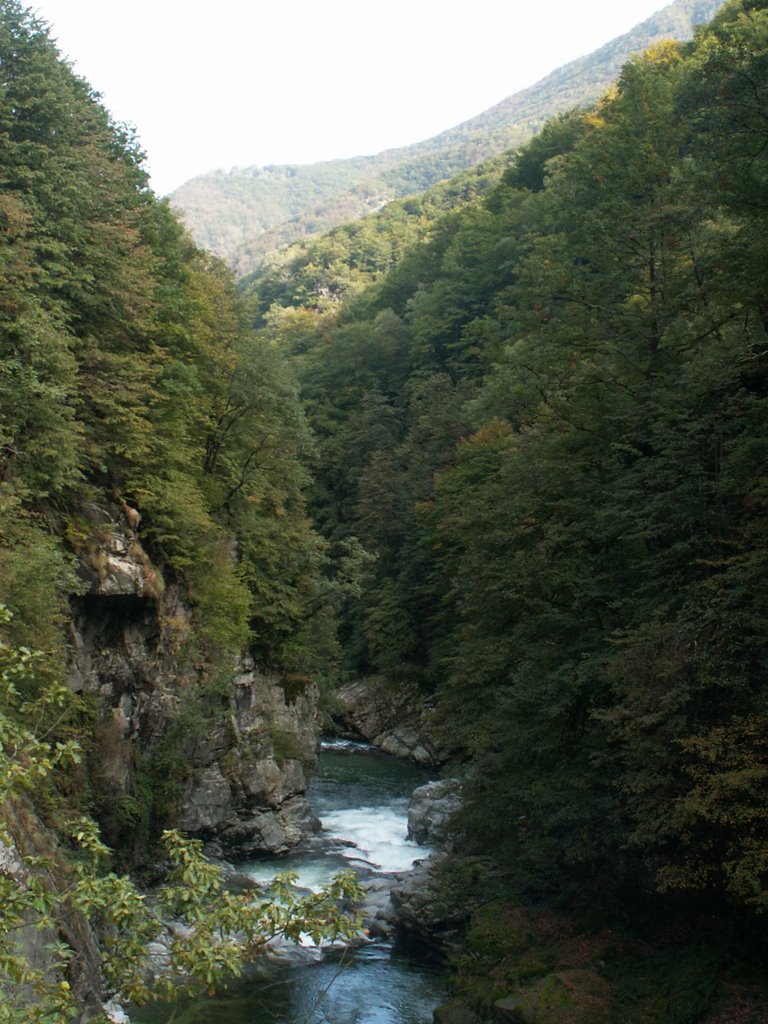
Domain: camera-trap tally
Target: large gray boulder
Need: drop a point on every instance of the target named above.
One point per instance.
(422, 906)
(430, 811)
(396, 717)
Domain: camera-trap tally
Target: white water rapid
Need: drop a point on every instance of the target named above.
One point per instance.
(361, 797)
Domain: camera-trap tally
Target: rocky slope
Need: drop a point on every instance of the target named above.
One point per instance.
(396, 717)
(224, 759)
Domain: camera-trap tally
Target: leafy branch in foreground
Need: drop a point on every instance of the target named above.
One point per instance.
(208, 932)
(191, 934)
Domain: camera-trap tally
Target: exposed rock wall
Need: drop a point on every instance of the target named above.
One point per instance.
(249, 797)
(225, 759)
(31, 839)
(431, 809)
(396, 717)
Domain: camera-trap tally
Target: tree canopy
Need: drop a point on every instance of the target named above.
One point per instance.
(510, 437)
(546, 423)
(128, 366)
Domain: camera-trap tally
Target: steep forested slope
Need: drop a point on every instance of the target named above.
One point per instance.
(159, 575)
(243, 214)
(153, 530)
(321, 272)
(547, 426)
(129, 370)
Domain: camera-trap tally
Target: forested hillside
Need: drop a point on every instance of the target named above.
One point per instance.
(129, 371)
(243, 214)
(505, 441)
(547, 425)
(321, 272)
(164, 610)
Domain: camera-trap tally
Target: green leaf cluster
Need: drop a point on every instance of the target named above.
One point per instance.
(47, 892)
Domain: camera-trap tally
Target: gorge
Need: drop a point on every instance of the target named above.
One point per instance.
(480, 478)
(359, 795)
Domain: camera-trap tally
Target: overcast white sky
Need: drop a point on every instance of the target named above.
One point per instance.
(235, 83)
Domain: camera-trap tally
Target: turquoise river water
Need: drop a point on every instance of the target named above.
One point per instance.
(361, 796)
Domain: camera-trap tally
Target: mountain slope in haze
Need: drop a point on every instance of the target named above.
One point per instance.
(245, 213)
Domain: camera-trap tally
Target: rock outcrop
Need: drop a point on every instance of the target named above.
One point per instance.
(430, 811)
(34, 843)
(249, 798)
(226, 761)
(396, 717)
(422, 908)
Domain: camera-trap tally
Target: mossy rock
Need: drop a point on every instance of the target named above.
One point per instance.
(515, 1009)
(286, 746)
(565, 997)
(523, 970)
(499, 928)
(455, 1012)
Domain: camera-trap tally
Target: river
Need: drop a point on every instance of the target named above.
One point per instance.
(361, 796)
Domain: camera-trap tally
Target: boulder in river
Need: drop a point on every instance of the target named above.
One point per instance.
(430, 811)
(379, 916)
(421, 906)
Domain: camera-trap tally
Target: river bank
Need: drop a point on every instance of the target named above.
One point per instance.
(361, 796)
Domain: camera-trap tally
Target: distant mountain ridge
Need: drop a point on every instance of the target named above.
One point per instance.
(243, 214)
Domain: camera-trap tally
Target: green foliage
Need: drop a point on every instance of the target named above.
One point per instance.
(538, 961)
(285, 746)
(594, 579)
(556, 138)
(26, 708)
(35, 574)
(220, 930)
(546, 423)
(684, 982)
(128, 366)
(319, 273)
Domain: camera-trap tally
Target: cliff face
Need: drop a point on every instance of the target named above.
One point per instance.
(225, 759)
(397, 718)
(245, 794)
